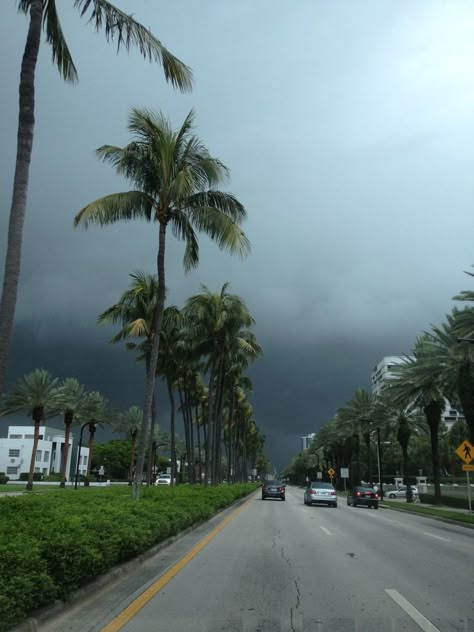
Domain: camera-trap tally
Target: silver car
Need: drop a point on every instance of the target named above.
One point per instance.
(401, 492)
(318, 492)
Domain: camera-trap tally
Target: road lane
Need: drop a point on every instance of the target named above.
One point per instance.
(285, 566)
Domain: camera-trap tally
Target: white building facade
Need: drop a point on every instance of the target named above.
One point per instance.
(383, 373)
(16, 450)
(306, 440)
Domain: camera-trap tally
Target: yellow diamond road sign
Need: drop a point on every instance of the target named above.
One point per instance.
(331, 472)
(465, 451)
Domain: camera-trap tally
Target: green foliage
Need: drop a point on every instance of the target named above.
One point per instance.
(64, 539)
(114, 456)
(448, 501)
(4, 478)
(37, 476)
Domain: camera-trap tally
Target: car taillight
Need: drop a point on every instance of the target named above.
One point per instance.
(376, 496)
(313, 492)
(358, 493)
(333, 493)
(282, 489)
(265, 488)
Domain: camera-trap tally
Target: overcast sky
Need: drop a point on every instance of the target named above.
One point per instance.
(349, 131)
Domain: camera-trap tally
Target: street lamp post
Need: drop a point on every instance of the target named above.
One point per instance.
(379, 464)
(79, 453)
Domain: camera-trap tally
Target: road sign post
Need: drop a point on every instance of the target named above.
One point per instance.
(345, 475)
(465, 451)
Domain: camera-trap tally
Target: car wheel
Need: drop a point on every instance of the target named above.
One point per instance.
(391, 496)
(348, 502)
(354, 504)
(283, 498)
(263, 497)
(376, 506)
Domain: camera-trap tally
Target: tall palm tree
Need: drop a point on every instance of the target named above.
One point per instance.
(118, 27)
(95, 410)
(36, 392)
(357, 414)
(70, 398)
(455, 361)
(218, 323)
(130, 422)
(135, 311)
(175, 179)
(419, 380)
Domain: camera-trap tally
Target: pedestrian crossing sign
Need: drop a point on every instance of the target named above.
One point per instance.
(466, 451)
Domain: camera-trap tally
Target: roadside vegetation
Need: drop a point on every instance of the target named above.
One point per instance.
(41, 562)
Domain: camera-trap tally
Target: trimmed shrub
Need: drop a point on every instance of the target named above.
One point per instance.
(448, 501)
(4, 478)
(37, 476)
(64, 539)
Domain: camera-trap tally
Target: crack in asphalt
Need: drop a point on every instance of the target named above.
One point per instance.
(293, 610)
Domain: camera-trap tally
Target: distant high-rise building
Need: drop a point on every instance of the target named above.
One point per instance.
(306, 441)
(383, 373)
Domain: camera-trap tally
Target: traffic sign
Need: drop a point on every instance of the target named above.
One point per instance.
(331, 472)
(344, 472)
(465, 451)
(468, 468)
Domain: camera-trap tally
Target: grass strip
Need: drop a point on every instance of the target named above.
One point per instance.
(431, 511)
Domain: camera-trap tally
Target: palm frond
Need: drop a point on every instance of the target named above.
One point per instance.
(127, 32)
(115, 207)
(55, 38)
(221, 229)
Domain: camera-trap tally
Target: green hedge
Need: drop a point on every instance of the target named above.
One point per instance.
(51, 544)
(4, 478)
(448, 501)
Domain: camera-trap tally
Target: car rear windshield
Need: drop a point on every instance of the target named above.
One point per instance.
(272, 483)
(319, 485)
(365, 489)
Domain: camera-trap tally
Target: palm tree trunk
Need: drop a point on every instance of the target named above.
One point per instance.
(210, 424)
(155, 345)
(26, 124)
(433, 417)
(465, 386)
(198, 438)
(92, 429)
(172, 431)
(151, 449)
(133, 435)
(68, 417)
(37, 417)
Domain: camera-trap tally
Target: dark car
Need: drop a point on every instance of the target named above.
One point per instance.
(363, 496)
(273, 489)
(318, 492)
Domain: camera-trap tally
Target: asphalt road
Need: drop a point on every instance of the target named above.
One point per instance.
(282, 566)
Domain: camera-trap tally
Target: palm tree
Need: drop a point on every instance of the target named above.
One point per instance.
(357, 414)
(130, 422)
(455, 359)
(135, 311)
(95, 410)
(36, 392)
(70, 398)
(217, 323)
(119, 28)
(174, 178)
(418, 380)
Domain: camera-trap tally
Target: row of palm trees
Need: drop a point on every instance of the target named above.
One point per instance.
(205, 349)
(440, 367)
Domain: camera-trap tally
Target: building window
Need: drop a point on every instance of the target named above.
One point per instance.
(29, 436)
(14, 436)
(45, 470)
(39, 454)
(46, 455)
(13, 452)
(37, 470)
(84, 460)
(12, 470)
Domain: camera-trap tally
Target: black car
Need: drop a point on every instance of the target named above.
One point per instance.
(273, 489)
(363, 496)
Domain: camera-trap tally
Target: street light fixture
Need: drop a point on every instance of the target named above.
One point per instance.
(79, 453)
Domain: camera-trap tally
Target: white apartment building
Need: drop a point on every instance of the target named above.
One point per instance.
(306, 440)
(382, 373)
(16, 450)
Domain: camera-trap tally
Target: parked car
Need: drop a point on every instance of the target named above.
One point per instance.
(273, 489)
(360, 495)
(318, 492)
(401, 492)
(163, 479)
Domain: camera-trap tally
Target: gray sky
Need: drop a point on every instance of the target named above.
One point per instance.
(349, 131)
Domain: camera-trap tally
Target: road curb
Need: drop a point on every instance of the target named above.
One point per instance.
(423, 515)
(43, 615)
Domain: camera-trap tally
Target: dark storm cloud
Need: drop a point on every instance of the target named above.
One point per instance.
(348, 129)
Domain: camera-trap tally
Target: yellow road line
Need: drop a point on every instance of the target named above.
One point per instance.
(136, 605)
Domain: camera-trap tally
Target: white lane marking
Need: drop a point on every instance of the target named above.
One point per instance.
(438, 537)
(325, 530)
(411, 611)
